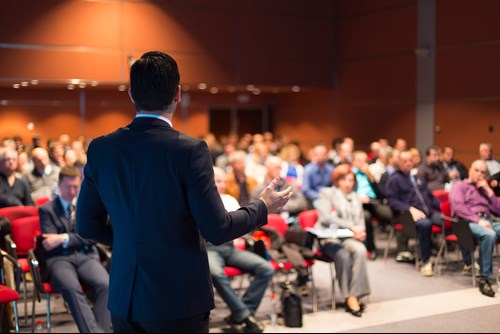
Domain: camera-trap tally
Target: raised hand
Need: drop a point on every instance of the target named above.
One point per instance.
(275, 200)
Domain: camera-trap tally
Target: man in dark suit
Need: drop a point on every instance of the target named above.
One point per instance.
(156, 186)
(72, 261)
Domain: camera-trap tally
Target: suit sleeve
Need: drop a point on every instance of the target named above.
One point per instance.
(214, 222)
(91, 215)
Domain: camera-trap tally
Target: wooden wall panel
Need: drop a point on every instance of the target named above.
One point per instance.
(361, 7)
(384, 80)
(389, 32)
(466, 124)
(73, 23)
(462, 22)
(468, 72)
(61, 66)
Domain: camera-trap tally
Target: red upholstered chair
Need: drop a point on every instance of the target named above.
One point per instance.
(278, 223)
(441, 195)
(14, 212)
(39, 201)
(21, 238)
(308, 219)
(448, 235)
(40, 288)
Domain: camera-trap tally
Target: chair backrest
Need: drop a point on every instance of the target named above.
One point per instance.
(39, 201)
(14, 212)
(24, 232)
(308, 218)
(442, 195)
(276, 222)
(446, 212)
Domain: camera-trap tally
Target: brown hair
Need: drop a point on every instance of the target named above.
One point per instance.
(340, 172)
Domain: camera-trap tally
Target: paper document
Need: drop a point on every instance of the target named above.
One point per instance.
(328, 233)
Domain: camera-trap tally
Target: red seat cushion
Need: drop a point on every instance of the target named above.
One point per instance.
(7, 295)
(23, 263)
(232, 271)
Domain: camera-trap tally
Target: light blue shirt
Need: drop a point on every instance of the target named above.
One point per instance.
(363, 186)
(169, 122)
(315, 178)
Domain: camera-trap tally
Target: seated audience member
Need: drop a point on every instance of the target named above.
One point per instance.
(317, 174)
(222, 160)
(344, 153)
(379, 166)
(340, 207)
(374, 152)
(242, 318)
(474, 201)
(333, 154)
(407, 192)
(417, 159)
(44, 176)
(456, 170)
(72, 261)
(239, 185)
(486, 154)
(297, 203)
(291, 169)
(371, 198)
(400, 144)
(70, 158)
(13, 190)
(254, 164)
(56, 153)
(23, 163)
(433, 171)
(390, 168)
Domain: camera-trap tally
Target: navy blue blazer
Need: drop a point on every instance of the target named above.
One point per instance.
(53, 220)
(149, 192)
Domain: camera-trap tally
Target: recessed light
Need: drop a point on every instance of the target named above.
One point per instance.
(16, 86)
(256, 91)
(295, 89)
(202, 86)
(82, 85)
(250, 87)
(34, 82)
(25, 83)
(94, 83)
(214, 90)
(122, 88)
(71, 87)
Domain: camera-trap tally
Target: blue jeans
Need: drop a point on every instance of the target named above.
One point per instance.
(486, 239)
(424, 233)
(248, 262)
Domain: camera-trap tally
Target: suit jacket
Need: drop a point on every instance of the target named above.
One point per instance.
(157, 186)
(53, 220)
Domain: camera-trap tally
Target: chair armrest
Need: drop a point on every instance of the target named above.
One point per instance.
(10, 246)
(35, 274)
(16, 267)
(104, 255)
(448, 218)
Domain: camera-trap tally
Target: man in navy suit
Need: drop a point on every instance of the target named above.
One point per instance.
(72, 261)
(149, 192)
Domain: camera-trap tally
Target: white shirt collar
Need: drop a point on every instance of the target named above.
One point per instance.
(169, 122)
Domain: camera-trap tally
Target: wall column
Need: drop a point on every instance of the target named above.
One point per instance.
(426, 74)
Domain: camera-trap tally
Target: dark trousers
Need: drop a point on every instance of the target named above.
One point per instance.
(196, 324)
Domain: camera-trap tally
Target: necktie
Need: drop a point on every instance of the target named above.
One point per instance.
(71, 217)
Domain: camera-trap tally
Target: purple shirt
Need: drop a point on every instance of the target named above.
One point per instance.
(467, 201)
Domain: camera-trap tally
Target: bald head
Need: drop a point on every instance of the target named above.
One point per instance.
(220, 179)
(478, 171)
